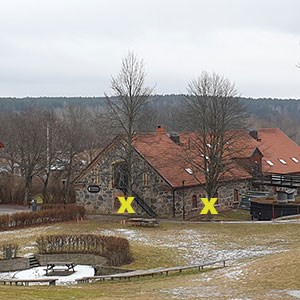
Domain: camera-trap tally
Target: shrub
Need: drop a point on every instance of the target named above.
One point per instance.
(115, 249)
(9, 251)
(24, 219)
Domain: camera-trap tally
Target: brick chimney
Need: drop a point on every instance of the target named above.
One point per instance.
(254, 134)
(160, 130)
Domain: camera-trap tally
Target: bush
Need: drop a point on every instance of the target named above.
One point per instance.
(115, 249)
(24, 219)
(9, 251)
(80, 210)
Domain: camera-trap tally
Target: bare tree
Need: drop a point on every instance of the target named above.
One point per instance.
(73, 140)
(129, 97)
(214, 114)
(30, 145)
(52, 129)
(9, 155)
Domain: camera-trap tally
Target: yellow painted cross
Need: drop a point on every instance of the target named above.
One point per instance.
(126, 205)
(209, 206)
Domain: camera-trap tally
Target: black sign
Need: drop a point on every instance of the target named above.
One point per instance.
(93, 188)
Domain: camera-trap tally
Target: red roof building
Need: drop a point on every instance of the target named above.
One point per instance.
(162, 156)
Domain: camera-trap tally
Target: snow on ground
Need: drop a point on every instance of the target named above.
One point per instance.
(39, 273)
(294, 293)
(194, 246)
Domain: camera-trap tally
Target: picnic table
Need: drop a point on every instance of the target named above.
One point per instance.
(144, 222)
(66, 266)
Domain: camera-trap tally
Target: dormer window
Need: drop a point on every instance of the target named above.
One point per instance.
(270, 163)
(206, 157)
(282, 161)
(294, 159)
(189, 170)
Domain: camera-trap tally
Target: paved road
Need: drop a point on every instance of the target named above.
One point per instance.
(11, 209)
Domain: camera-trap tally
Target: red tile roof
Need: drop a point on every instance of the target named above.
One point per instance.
(168, 158)
(276, 146)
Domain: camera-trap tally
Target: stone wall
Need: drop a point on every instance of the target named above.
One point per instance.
(225, 196)
(16, 264)
(226, 193)
(157, 193)
(77, 258)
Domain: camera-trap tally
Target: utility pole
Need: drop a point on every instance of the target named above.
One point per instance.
(183, 202)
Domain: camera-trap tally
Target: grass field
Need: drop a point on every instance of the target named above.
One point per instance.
(264, 266)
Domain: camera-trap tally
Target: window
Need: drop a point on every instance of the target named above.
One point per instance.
(270, 163)
(194, 201)
(235, 196)
(189, 170)
(282, 161)
(116, 204)
(120, 175)
(294, 159)
(95, 177)
(145, 179)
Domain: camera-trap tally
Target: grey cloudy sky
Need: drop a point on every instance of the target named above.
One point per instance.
(72, 47)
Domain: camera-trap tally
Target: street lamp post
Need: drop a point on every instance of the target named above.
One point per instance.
(183, 202)
(64, 190)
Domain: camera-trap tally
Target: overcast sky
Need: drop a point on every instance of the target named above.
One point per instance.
(73, 47)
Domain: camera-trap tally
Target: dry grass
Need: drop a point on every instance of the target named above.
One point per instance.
(265, 277)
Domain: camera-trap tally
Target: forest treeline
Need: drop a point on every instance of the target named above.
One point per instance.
(263, 112)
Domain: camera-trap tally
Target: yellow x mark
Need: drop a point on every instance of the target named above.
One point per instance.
(209, 206)
(126, 205)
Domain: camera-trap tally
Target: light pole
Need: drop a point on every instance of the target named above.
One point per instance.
(183, 202)
(64, 190)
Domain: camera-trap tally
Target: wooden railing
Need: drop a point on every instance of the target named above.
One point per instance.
(292, 181)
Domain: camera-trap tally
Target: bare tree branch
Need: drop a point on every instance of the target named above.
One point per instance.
(129, 96)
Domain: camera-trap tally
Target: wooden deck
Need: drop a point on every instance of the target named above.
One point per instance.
(150, 272)
(289, 181)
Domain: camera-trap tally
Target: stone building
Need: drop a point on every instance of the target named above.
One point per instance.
(163, 181)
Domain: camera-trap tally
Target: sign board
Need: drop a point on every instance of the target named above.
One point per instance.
(93, 188)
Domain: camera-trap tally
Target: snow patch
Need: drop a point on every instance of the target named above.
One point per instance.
(294, 293)
(40, 273)
(195, 246)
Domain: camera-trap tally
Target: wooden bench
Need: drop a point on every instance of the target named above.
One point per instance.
(14, 281)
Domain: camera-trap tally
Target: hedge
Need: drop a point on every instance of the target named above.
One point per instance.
(115, 249)
(25, 219)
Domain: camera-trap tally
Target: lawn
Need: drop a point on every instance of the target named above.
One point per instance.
(264, 261)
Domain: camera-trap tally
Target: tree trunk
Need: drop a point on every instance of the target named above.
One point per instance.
(28, 184)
